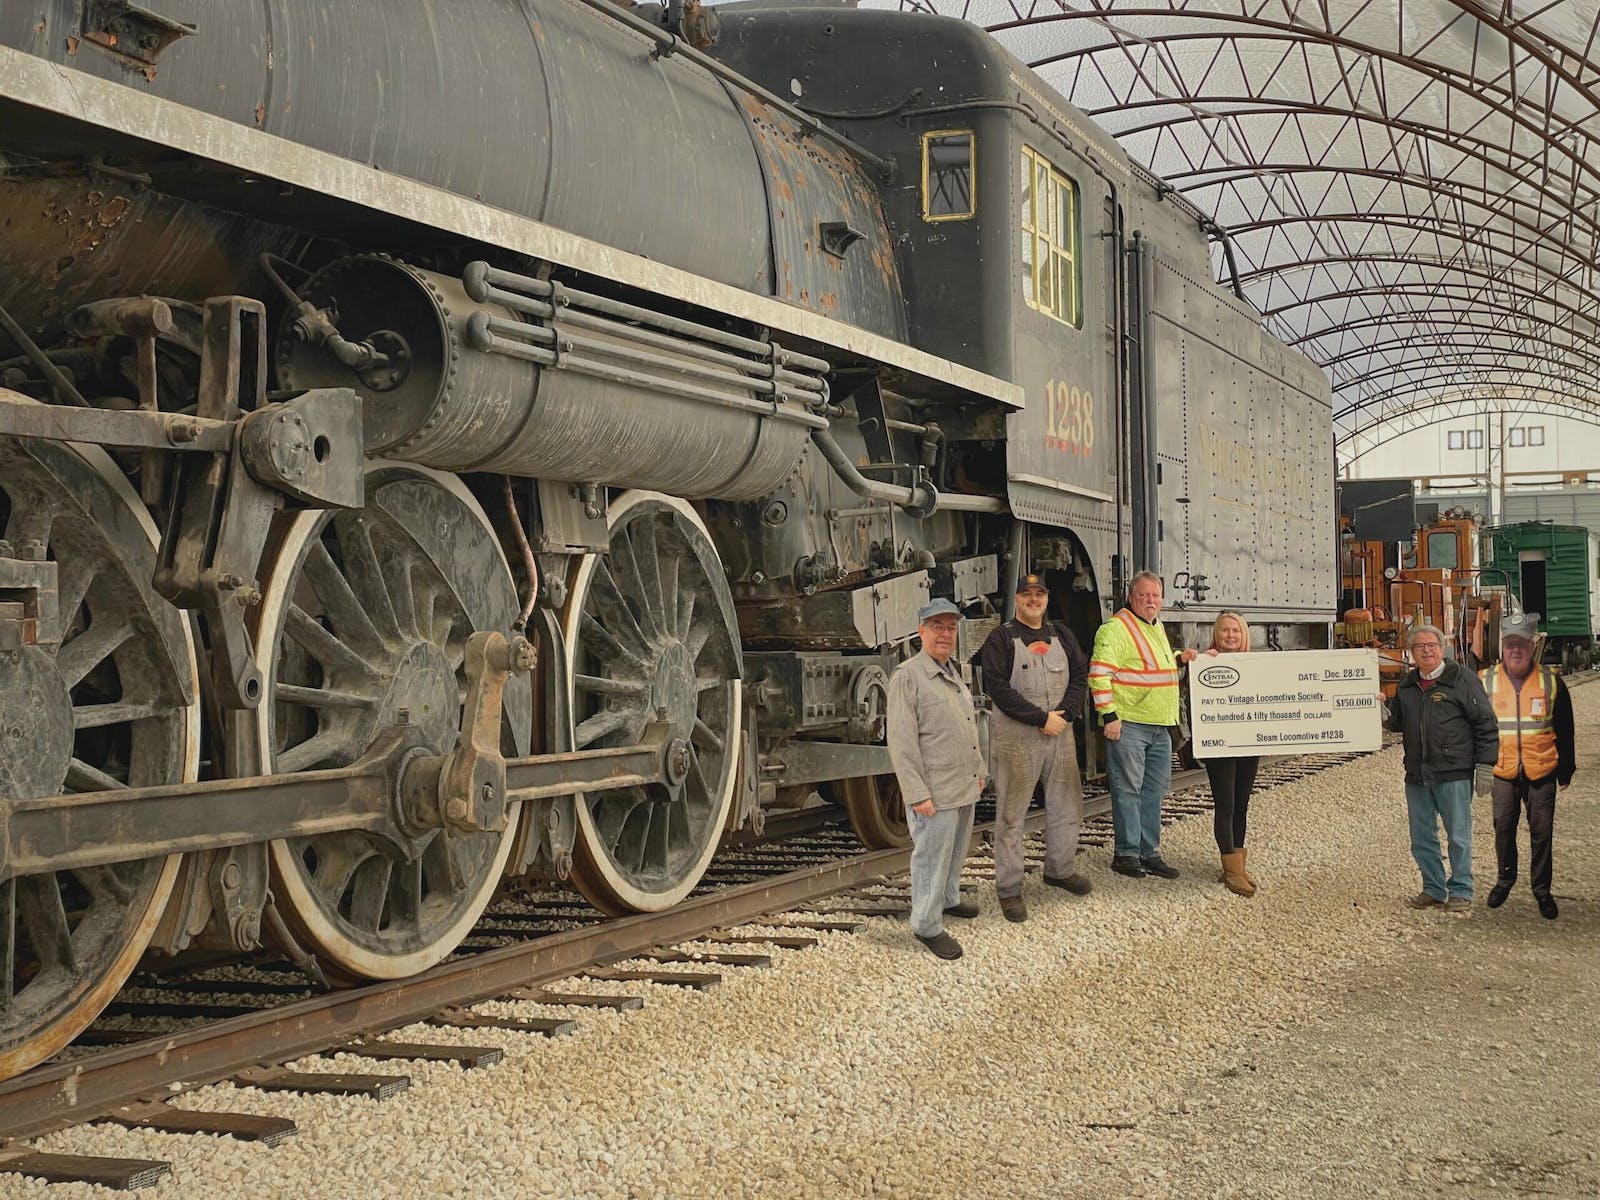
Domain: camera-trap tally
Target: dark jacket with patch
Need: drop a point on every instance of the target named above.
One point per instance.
(1448, 729)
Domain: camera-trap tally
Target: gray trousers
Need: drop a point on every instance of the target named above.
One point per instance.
(939, 847)
(1022, 756)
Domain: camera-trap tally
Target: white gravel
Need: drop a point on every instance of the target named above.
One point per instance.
(1153, 1039)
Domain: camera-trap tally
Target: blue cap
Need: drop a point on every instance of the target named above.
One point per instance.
(936, 608)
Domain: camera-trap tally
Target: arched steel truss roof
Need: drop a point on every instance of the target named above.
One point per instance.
(1412, 186)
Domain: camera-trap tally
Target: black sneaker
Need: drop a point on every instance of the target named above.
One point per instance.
(1077, 883)
(1547, 907)
(1126, 864)
(1498, 894)
(1156, 865)
(942, 944)
(965, 909)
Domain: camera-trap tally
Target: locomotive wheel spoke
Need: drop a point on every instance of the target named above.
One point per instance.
(650, 638)
(346, 612)
(363, 623)
(323, 646)
(91, 648)
(44, 921)
(365, 575)
(602, 686)
(83, 777)
(97, 716)
(289, 693)
(105, 711)
(603, 723)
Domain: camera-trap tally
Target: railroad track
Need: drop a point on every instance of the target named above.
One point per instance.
(169, 1033)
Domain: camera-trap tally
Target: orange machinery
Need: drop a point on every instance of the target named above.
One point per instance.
(1385, 588)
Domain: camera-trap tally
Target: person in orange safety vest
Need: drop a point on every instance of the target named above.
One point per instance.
(1537, 754)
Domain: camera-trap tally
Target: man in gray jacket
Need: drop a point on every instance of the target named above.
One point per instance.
(933, 743)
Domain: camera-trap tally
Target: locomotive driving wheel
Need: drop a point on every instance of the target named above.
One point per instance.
(114, 704)
(363, 625)
(877, 810)
(652, 643)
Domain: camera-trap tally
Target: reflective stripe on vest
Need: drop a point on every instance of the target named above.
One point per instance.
(1145, 690)
(1527, 730)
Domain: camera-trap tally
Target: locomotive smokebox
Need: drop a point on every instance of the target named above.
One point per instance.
(513, 374)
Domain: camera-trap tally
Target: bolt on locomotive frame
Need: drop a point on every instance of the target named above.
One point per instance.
(530, 465)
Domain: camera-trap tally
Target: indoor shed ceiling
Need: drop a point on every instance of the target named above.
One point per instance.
(1412, 186)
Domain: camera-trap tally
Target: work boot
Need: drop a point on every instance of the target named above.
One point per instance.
(942, 944)
(1158, 866)
(1424, 900)
(966, 909)
(1014, 908)
(1233, 876)
(1077, 883)
(1548, 908)
(1499, 892)
(1126, 864)
(1458, 904)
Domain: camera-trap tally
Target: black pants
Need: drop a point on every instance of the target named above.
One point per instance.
(1509, 797)
(1232, 780)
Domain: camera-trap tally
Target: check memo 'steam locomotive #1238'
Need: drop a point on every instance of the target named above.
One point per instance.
(519, 446)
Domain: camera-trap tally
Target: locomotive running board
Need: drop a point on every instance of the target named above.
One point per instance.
(40, 101)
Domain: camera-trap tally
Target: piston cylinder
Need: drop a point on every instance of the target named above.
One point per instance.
(571, 395)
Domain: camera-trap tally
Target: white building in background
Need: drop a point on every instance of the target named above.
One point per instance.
(1503, 463)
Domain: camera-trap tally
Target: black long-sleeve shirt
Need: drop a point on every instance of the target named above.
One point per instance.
(999, 654)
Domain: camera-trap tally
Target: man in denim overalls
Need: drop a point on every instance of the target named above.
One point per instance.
(1036, 674)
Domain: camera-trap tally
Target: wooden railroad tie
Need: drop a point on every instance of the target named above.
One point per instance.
(244, 1127)
(280, 1079)
(383, 1050)
(464, 1018)
(575, 999)
(700, 981)
(122, 1174)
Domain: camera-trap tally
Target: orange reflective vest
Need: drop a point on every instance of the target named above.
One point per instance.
(1527, 722)
(1133, 671)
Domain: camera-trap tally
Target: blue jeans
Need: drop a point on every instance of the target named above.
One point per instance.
(1427, 806)
(939, 847)
(1140, 766)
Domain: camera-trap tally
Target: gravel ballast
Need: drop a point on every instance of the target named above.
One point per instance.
(1153, 1039)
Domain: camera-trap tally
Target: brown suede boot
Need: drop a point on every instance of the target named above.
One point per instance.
(1233, 876)
(1244, 865)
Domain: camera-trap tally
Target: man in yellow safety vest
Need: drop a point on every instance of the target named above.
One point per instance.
(1537, 754)
(1133, 680)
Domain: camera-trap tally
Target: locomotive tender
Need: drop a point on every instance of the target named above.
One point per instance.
(445, 442)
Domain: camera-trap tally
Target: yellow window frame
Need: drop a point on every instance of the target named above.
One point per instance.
(1051, 241)
(928, 139)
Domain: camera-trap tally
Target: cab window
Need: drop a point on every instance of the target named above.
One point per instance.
(1442, 550)
(947, 180)
(1052, 271)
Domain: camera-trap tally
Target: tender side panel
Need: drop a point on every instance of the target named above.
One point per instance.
(1245, 444)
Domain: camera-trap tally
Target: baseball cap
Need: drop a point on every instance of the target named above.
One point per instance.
(1523, 625)
(1031, 581)
(936, 608)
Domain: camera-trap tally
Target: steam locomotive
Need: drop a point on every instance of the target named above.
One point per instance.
(449, 442)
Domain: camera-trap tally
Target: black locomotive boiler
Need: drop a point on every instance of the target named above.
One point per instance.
(445, 442)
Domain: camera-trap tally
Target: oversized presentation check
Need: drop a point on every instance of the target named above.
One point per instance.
(1284, 702)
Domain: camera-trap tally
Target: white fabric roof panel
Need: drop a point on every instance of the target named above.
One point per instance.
(1412, 186)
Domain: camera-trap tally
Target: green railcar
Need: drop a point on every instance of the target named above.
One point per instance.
(1551, 570)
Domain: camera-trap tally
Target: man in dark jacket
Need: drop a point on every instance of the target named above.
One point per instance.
(1036, 674)
(1449, 730)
